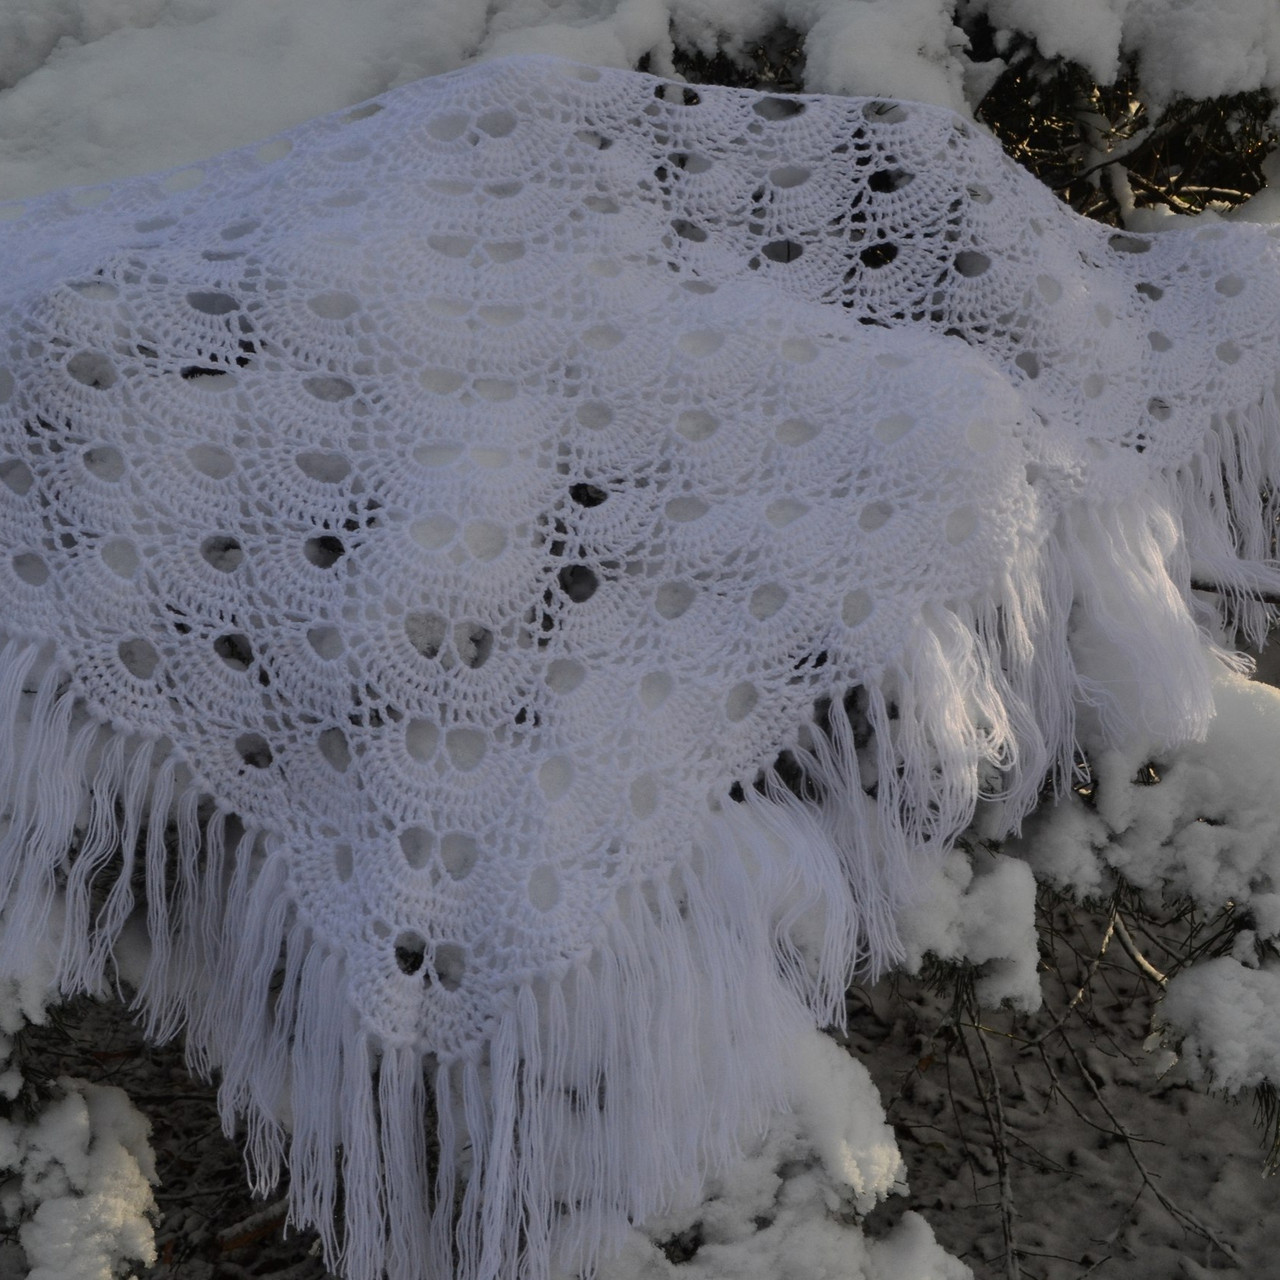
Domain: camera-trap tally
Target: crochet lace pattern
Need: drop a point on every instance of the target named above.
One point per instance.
(512, 582)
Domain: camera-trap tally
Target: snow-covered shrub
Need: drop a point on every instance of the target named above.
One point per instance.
(95, 89)
(76, 1166)
(79, 1183)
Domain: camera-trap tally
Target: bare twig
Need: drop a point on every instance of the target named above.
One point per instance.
(1185, 1216)
(1112, 918)
(1127, 942)
(993, 1105)
(257, 1226)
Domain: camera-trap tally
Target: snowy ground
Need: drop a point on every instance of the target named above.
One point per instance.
(1113, 1172)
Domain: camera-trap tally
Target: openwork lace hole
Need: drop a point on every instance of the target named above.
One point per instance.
(421, 738)
(202, 373)
(878, 255)
(323, 551)
(473, 644)
(234, 230)
(235, 650)
(211, 460)
(564, 675)
(16, 476)
(887, 180)
(544, 888)
(497, 123)
(466, 748)
(795, 431)
(410, 951)
(680, 95)
(594, 415)
(328, 388)
(459, 853)
(578, 582)
(687, 230)
(766, 600)
(971, 263)
(254, 750)
(104, 462)
(778, 108)
(139, 657)
(673, 599)
(587, 495)
(95, 290)
(343, 862)
(856, 608)
(450, 965)
(555, 777)
(416, 845)
(328, 468)
(326, 642)
(426, 632)
(92, 369)
(335, 305)
(789, 175)
(212, 304)
(448, 126)
(335, 749)
(741, 701)
(783, 250)
(121, 557)
(222, 552)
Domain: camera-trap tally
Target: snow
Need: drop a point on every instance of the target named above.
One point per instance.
(1208, 828)
(1225, 1018)
(128, 86)
(84, 1172)
(1086, 31)
(782, 1213)
(92, 90)
(979, 907)
(1203, 50)
(895, 48)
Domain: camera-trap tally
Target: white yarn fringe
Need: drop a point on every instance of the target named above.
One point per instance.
(607, 1091)
(1229, 499)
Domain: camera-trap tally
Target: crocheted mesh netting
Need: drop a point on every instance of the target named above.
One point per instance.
(522, 573)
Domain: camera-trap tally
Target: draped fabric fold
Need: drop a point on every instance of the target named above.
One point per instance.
(508, 587)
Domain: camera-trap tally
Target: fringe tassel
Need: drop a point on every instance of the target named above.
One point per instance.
(1228, 499)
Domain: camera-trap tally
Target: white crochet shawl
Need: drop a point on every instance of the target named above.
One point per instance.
(512, 581)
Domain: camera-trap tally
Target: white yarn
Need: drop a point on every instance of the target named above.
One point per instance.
(525, 569)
